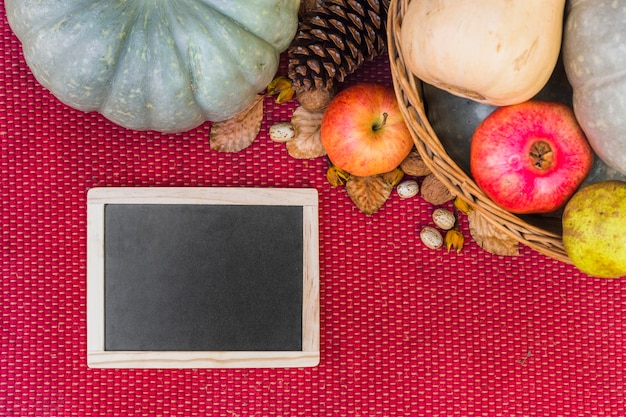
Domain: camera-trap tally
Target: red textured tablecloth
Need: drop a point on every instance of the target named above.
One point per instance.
(405, 331)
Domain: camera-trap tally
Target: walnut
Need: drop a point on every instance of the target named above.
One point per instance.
(315, 100)
(434, 191)
(414, 165)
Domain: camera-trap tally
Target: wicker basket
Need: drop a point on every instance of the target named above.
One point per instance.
(539, 233)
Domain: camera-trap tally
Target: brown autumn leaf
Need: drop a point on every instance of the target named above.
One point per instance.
(489, 238)
(238, 132)
(369, 193)
(307, 143)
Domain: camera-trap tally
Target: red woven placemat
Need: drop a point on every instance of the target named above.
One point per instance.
(405, 331)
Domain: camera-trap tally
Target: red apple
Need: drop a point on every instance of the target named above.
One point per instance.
(363, 131)
(530, 157)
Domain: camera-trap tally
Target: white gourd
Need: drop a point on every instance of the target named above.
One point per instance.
(493, 51)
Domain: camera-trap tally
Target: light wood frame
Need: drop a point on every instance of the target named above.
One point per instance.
(98, 357)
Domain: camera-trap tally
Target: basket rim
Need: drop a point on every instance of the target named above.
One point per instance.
(410, 99)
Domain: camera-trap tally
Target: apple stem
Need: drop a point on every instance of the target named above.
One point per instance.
(378, 126)
(541, 154)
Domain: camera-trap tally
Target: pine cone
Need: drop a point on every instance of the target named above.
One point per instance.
(334, 39)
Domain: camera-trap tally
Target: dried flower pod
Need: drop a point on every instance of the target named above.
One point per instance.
(462, 205)
(281, 87)
(434, 191)
(454, 240)
(431, 237)
(414, 165)
(444, 218)
(408, 189)
(393, 177)
(336, 176)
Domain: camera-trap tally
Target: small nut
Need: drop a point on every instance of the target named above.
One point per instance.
(414, 165)
(434, 191)
(315, 100)
(408, 188)
(431, 237)
(444, 218)
(282, 132)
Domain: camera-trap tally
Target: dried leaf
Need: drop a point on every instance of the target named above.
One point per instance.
(239, 131)
(369, 193)
(307, 143)
(489, 238)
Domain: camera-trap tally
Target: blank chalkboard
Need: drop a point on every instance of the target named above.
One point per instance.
(202, 277)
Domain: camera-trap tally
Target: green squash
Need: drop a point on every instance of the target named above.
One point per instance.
(594, 54)
(164, 65)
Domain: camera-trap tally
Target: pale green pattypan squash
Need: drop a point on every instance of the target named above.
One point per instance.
(164, 65)
(594, 54)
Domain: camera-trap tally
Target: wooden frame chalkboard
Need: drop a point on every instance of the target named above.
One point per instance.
(205, 277)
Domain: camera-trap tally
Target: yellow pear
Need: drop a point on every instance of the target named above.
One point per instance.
(594, 229)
